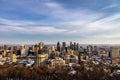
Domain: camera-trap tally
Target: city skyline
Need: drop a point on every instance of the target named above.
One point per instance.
(50, 21)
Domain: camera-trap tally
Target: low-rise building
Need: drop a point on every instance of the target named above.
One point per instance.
(57, 62)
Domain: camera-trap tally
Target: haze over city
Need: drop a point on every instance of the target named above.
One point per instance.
(84, 21)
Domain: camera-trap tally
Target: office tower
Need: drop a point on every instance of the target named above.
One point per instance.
(63, 45)
(52, 52)
(95, 48)
(114, 54)
(14, 47)
(31, 51)
(41, 56)
(89, 49)
(13, 57)
(41, 45)
(5, 47)
(58, 47)
(23, 50)
(66, 49)
(36, 48)
(75, 45)
(26, 50)
(71, 46)
(33, 48)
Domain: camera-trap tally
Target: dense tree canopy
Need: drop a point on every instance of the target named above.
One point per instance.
(18, 72)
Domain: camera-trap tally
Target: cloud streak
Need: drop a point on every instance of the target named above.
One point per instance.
(110, 6)
(12, 28)
(64, 22)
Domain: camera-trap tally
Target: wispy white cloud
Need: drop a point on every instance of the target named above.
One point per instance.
(26, 28)
(96, 29)
(72, 22)
(110, 6)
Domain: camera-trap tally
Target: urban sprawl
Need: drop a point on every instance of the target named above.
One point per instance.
(59, 62)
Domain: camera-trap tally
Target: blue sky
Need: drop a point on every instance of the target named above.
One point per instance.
(84, 21)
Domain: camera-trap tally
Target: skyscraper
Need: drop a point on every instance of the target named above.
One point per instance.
(63, 45)
(74, 45)
(77, 46)
(41, 56)
(22, 50)
(36, 48)
(89, 49)
(13, 57)
(5, 47)
(14, 47)
(41, 45)
(71, 46)
(58, 47)
(114, 54)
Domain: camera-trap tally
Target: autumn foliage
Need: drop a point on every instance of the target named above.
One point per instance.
(18, 72)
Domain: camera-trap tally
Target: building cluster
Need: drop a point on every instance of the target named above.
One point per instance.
(61, 54)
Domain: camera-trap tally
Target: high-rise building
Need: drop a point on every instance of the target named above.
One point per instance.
(114, 54)
(13, 57)
(58, 47)
(77, 46)
(36, 48)
(71, 46)
(5, 47)
(41, 59)
(41, 45)
(89, 49)
(63, 45)
(41, 56)
(14, 47)
(33, 48)
(23, 50)
(95, 48)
